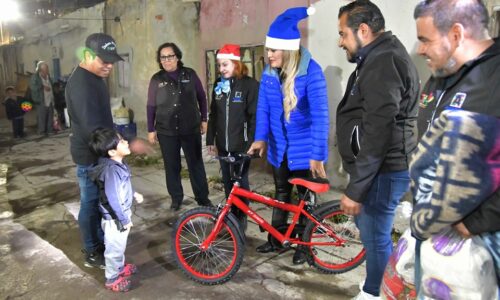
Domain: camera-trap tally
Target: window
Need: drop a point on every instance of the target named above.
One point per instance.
(251, 56)
(123, 67)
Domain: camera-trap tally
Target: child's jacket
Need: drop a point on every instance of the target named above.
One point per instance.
(118, 188)
(13, 108)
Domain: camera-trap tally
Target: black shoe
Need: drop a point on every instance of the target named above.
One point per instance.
(175, 206)
(207, 203)
(299, 257)
(94, 260)
(265, 248)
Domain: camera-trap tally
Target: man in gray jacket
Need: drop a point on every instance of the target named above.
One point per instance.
(43, 97)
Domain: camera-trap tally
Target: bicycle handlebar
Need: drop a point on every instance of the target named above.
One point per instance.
(241, 156)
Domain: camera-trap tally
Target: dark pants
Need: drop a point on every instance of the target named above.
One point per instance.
(284, 190)
(228, 183)
(45, 118)
(170, 149)
(18, 127)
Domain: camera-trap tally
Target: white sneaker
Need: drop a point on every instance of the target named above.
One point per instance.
(364, 295)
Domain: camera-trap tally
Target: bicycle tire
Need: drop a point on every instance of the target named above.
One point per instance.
(217, 264)
(329, 258)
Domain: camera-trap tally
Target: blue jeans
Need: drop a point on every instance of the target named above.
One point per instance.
(375, 224)
(89, 217)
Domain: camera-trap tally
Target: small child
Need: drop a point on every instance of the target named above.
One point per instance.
(113, 178)
(14, 112)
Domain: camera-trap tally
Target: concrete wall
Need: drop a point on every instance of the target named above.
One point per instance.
(143, 26)
(241, 22)
(323, 40)
(60, 39)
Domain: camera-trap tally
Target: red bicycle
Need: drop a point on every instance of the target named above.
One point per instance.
(208, 243)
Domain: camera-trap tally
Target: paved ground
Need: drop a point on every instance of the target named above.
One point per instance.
(40, 247)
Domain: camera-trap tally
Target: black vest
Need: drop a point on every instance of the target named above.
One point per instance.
(177, 110)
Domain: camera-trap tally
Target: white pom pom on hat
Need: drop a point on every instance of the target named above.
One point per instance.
(283, 33)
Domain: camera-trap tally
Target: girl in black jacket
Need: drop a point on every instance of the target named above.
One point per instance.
(231, 123)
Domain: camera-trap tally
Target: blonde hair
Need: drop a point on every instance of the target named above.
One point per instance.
(291, 59)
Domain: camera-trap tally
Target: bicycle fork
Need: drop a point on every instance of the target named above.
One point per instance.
(205, 245)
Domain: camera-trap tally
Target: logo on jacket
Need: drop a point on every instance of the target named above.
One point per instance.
(237, 97)
(458, 100)
(425, 100)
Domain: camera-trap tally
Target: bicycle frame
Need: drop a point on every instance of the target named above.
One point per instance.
(297, 211)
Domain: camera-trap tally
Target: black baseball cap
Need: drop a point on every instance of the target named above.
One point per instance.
(103, 46)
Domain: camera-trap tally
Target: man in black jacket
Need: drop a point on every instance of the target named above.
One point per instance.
(465, 65)
(88, 102)
(376, 131)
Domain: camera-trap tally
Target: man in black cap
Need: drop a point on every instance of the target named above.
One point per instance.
(89, 108)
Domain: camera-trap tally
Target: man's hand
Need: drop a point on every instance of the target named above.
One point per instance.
(152, 138)
(203, 127)
(212, 150)
(258, 146)
(140, 146)
(138, 197)
(462, 230)
(317, 168)
(349, 206)
(128, 226)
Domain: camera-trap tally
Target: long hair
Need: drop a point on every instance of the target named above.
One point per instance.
(291, 59)
(240, 69)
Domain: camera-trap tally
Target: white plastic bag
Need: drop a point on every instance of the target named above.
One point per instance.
(399, 276)
(457, 268)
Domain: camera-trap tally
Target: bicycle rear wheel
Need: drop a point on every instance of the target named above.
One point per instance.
(220, 261)
(334, 259)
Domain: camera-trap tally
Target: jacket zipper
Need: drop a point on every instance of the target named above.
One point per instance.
(434, 112)
(227, 121)
(245, 132)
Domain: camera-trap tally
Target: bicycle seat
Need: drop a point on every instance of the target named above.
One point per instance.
(317, 185)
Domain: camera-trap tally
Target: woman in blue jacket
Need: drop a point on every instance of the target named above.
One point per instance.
(292, 113)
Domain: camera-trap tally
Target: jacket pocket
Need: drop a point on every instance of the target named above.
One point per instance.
(349, 139)
(355, 143)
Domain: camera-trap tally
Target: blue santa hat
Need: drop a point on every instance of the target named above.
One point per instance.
(283, 33)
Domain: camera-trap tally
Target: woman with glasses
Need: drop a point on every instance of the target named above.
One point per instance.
(292, 113)
(177, 117)
(231, 125)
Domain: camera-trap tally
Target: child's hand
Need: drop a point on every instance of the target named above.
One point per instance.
(128, 226)
(138, 197)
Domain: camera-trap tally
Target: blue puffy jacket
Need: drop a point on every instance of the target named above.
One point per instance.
(305, 135)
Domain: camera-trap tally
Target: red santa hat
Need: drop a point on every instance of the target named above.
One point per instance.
(229, 51)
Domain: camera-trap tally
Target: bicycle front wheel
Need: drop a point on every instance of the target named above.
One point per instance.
(330, 258)
(220, 261)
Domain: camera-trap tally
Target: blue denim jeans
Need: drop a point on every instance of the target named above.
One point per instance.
(89, 217)
(375, 224)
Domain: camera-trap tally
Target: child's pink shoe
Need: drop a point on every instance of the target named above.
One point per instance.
(128, 270)
(121, 284)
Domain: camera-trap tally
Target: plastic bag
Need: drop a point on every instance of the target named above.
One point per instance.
(55, 122)
(399, 275)
(457, 268)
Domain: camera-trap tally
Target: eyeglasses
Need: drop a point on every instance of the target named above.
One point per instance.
(167, 57)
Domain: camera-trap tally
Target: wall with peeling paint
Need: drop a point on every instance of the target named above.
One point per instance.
(143, 26)
(60, 38)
